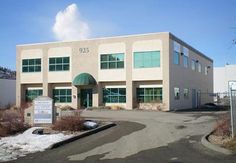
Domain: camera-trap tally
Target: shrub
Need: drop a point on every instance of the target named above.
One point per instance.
(69, 123)
(12, 122)
(222, 127)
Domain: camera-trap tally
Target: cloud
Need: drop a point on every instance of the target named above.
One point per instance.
(69, 25)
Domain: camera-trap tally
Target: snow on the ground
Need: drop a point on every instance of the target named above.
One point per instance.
(16, 146)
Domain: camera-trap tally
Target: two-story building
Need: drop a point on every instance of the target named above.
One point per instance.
(157, 71)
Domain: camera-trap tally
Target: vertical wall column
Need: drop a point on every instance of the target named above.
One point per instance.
(129, 82)
(74, 97)
(166, 66)
(44, 69)
(18, 71)
(95, 96)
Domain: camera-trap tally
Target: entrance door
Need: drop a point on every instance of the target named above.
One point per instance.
(86, 98)
(194, 98)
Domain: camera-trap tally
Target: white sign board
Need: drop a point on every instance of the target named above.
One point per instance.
(43, 110)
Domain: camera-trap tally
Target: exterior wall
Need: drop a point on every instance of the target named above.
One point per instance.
(108, 74)
(182, 77)
(147, 73)
(60, 76)
(85, 57)
(31, 77)
(221, 77)
(7, 93)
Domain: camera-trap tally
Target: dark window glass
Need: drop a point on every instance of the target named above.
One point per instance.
(112, 61)
(146, 95)
(59, 64)
(114, 95)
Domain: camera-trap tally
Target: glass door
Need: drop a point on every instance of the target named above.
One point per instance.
(86, 98)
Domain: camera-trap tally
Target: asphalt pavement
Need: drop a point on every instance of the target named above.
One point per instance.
(140, 136)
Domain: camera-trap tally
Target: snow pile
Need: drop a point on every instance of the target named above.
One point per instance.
(22, 144)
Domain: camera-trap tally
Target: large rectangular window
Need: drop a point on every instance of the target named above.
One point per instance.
(185, 57)
(31, 65)
(145, 95)
(31, 94)
(62, 95)
(199, 67)
(114, 95)
(176, 53)
(59, 64)
(112, 61)
(147, 59)
(193, 63)
(206, 70)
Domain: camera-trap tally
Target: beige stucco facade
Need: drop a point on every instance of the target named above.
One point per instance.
(84, 57)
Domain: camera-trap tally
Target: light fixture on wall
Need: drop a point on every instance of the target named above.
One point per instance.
(208, 67)
(197, 61)
(181, 53)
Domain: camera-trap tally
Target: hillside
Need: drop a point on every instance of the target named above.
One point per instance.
(6, 73)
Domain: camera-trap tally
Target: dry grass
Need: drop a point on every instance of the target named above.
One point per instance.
(69, 123)
(12, 121)
(222, 127)
(231, 144)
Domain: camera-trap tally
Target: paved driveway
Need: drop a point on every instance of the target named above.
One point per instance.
(140, 137)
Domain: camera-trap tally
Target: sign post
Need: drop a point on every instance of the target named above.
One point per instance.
(43, 110)
(232, 94)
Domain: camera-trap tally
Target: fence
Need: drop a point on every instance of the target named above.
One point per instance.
(220, 99)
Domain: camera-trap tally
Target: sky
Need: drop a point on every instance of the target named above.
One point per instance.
(207, 25)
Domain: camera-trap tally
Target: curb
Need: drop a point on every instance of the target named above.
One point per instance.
(214, 147)
(88, 133)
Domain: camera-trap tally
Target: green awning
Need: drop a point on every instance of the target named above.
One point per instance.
(84, 79)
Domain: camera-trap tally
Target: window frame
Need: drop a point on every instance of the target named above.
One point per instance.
(116, 94)
(193, 62)
(152, 57)
(206, 70)
(58, 95)
(199, 67)
(150, 95)
(31, 94)
(185, 57)
(186, 93)
(109, 61)
(31, 65)
(54, 65)
(177, 94)
(176, 53)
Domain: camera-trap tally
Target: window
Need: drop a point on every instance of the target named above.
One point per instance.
(199, 67)
(176, 92)
(186, 93)
(112, 61)
(31, 65)
(185, 57)
(114, 95)
(145, 95)
(31, 94)
(193, 65)
(59, 64)
(206, 70)
(176, 53)
(147, 59)
(62, 95)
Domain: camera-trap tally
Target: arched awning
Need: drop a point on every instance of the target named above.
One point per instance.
(84, 79)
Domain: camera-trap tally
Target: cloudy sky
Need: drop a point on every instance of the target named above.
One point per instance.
(208, 25)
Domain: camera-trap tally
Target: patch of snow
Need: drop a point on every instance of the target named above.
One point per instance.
(13, 147)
